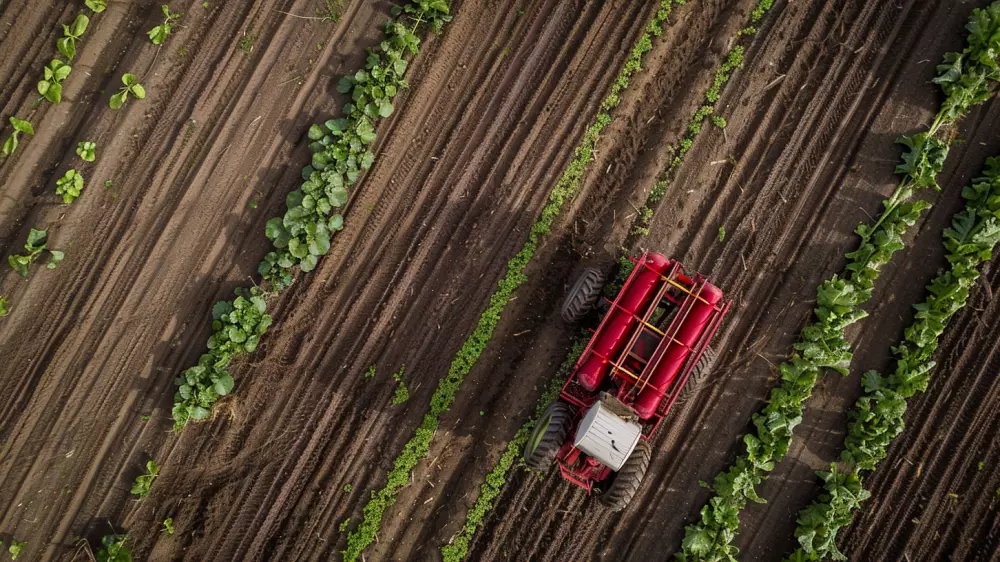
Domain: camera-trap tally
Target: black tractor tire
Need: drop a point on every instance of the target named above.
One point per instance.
(548, 436)
(700, 372)
(625, 483)
(582, 297)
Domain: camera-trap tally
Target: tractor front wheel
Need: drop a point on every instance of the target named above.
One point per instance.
(548, 436)
(625, 483)
(698, 376)
(583, 295)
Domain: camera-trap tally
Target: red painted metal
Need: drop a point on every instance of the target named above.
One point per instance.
(642, 352)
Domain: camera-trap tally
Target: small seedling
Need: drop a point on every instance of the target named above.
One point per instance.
(36, 244)
(205, 5)
(50, 87)
(246, 42)
(159, 33)
(10, 145)
(107, 184)
(70, 185)
(97, 6)
(146, 417)
(370, 372)
(722, 233)
(252, 204)
(67, 43)
(4, 311)
(348, 488)
(718, 121)
(402, 393)
(114, 549)
(131, 87)
(85, 150)
(345, 524)
(331, 10)
(168, 526)
(15, 548)
(144, 481)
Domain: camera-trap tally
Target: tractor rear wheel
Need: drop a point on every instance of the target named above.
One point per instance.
(583, 295)
(625, 483)
(698, 376)
(548, 436)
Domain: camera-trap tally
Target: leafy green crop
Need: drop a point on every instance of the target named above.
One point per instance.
(237, 326)
(86, 150)
(114, 549)
(402, 393)
(20, 126)
(144, 481)
(15, 548)
(168, 526)
(36, 244)
(877, 417)
(159, 33)
(839, 302)
(131, 87)
(69, 186)
(4, 311)
(97, 6)
(71, 33)
(50, 87)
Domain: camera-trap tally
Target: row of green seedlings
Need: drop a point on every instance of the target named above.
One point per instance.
(877, 417)
(15, 548)
(457, 548)
(733, 62)
(444, 395)
(71, 184)
(340, 154)
(966, 79)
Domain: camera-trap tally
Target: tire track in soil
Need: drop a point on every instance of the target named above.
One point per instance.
(790, 151)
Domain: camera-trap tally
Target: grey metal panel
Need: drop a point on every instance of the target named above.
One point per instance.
(606, 436)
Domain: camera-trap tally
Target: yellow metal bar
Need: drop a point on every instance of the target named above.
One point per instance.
(685, 289)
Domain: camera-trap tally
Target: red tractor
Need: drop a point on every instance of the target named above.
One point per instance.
(648, 353)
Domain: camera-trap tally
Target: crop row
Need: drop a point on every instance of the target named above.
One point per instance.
(567, 186)
(877, 417)
(497, 478)
(340, 154)
(966, 79)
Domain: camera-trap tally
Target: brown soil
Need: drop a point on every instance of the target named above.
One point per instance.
(463, 167)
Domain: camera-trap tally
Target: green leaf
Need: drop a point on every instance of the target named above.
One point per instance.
(138, 91)
(224, 384)
(345, 84)
(36, 239)
(336, 223)
(158, 34)
(55, 257)
(117, 100)
(128, 79)
(10, 145)
(22, 126)
(51, 92)
(399, 67)
(96, 6)
(80, 25)
(67, 46)
(86, 150)
(308, 263)
(4, 310)
(384, 108)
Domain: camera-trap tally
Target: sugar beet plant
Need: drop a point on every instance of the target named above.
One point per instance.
(144, 482)
(967, 79)
(70, 186)
(20, 126)
(35, 247)
(159, 33)
(131, 86)
(71, 34)
(877, 417)
(50, 86)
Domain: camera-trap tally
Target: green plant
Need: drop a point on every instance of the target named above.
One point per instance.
(114, 550)
(722, 233)
(331, 10)
(144, 481)
(131, 87)
(966, 79)
(36, 244)
(370, 372)
(15, 548)
(20, 126)
(4, 311)
(71, 33)
(50, 87)
(237, 326)
(85, 150)
(168, 526)
(718, 121)
(159, 33)
(348, 488)
(877, 417)
(345, 524)
(246, 41)
(402, 394)
(69, 186)
(97, 6)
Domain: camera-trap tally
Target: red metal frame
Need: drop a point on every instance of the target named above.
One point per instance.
(682, 293)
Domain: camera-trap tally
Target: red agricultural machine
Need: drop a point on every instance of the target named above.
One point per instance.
(649, 353)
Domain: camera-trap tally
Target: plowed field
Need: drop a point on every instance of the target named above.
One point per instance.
(496, 104)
